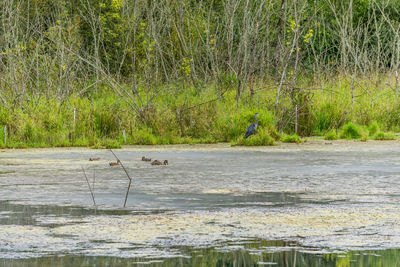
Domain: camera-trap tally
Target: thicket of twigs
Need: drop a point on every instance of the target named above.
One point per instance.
(171, 61)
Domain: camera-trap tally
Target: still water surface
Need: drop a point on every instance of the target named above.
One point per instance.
(303, 205)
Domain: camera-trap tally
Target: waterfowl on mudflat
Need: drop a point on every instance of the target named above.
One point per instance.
(157, 162)
(115, 163)
(94, 159)
(145, 159)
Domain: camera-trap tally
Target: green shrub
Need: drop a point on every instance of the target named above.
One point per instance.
(331, 135)
(384, 136)
(350, 131)
(144, 137)
(364, 138)
(291, 139)
(29, 132)
(260, 138)
(80, 141)
(111, 143)
(274, 133)
(373, 128)
(325, 117)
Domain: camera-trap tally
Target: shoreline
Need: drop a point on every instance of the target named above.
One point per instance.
(308, 144)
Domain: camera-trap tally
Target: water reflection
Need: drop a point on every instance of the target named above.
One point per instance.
(257, 253)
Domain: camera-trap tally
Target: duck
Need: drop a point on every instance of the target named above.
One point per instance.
(94, 159)
(145, 159)
(113, 163)
(157, 162)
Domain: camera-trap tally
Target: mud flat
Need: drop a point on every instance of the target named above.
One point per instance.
(315, 203)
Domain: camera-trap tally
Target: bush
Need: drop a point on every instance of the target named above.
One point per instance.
(144, 137)
(350, 131)
(331, 135)
(326, 117)
(373, 128)
(292, 139)
(384, 136)
(260, 138)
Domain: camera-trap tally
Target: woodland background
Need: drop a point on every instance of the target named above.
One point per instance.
(111, 72)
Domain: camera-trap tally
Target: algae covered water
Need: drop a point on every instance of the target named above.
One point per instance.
(302, 205)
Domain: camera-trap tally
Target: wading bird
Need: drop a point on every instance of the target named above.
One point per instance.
(252, 128)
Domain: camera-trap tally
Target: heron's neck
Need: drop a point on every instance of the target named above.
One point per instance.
(256, 123)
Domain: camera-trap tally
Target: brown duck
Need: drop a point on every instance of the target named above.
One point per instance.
(145, 159)
(157, 162)
(115, 163)
(94, 159)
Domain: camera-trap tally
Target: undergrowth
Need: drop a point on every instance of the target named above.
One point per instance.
(291, 139)
(331, 135)
(104, 120)
(350, 131)
(261, 138)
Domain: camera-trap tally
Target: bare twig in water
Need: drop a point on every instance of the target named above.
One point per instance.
(94, 179)
(127, 174)
(87, 180)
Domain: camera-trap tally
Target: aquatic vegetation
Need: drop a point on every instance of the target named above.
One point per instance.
(260, 194)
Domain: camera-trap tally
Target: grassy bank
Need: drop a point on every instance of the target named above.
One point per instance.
(201, 115)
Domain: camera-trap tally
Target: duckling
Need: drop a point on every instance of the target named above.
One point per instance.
(157, 162)
(145, 159)
(115, 163)
(94, 159)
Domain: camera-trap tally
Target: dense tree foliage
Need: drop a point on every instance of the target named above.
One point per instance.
(184, 39)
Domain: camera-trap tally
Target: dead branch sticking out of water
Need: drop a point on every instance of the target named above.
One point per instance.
(94, 179)
(127, 174)
(87, 180)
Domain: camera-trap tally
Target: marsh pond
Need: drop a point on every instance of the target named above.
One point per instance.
(313, 204)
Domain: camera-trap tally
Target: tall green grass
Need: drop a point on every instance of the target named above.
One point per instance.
(197, 115)
(350, 131)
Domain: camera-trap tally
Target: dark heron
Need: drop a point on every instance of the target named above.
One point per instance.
(252, 128)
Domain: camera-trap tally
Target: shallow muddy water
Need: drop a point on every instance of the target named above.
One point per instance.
(306, 204)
